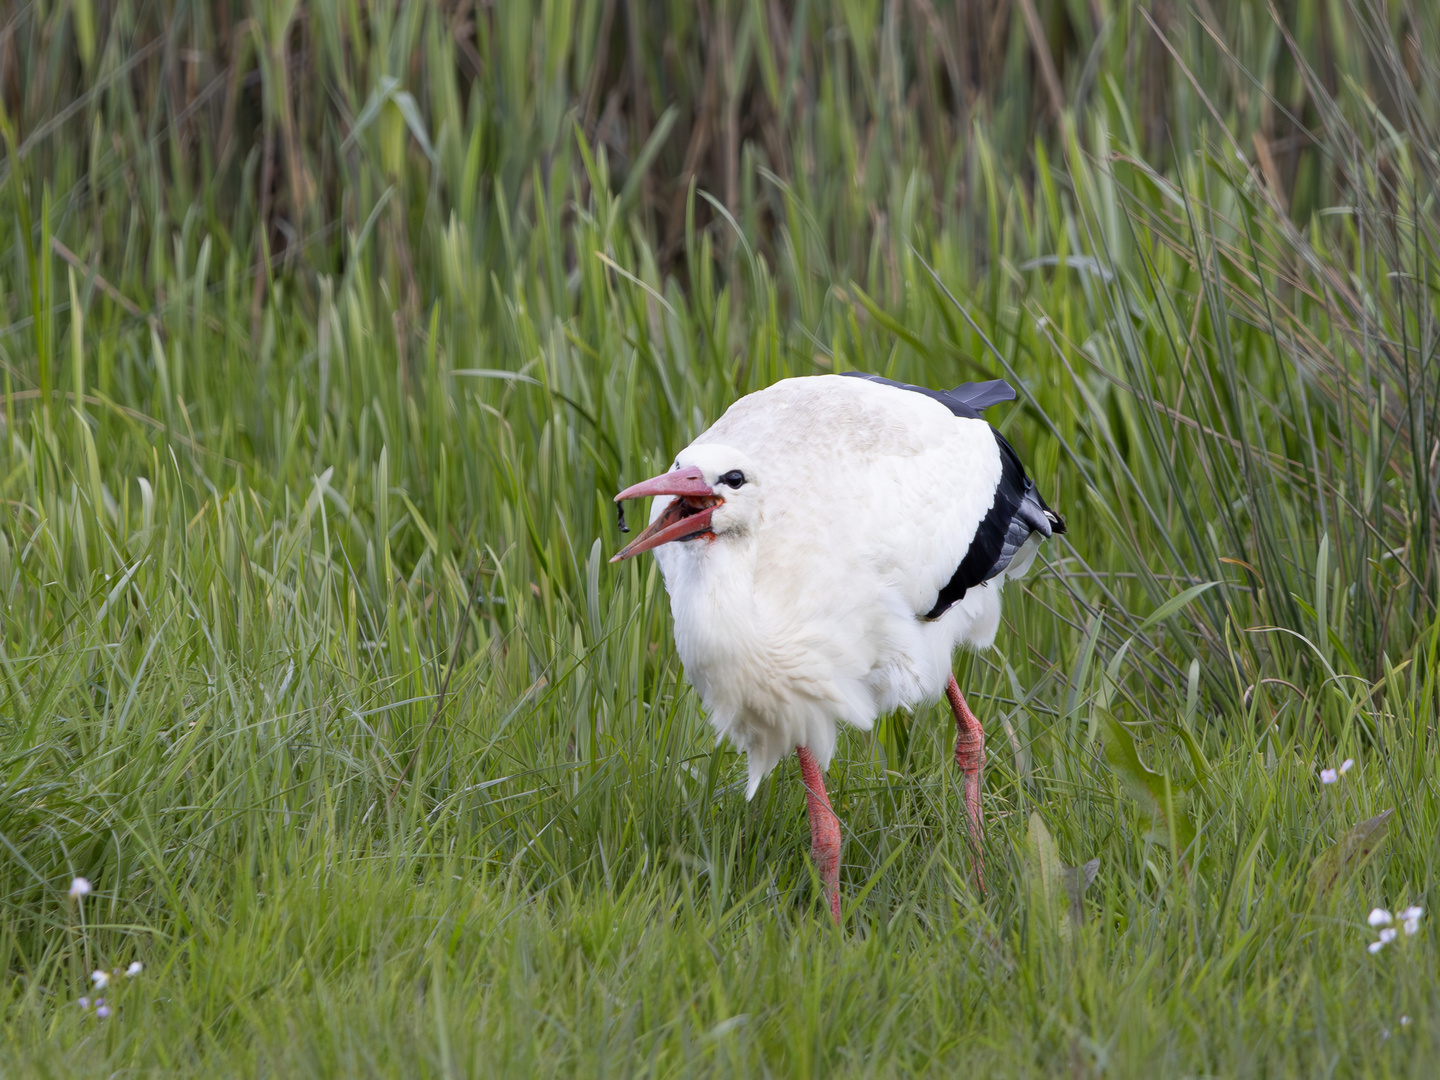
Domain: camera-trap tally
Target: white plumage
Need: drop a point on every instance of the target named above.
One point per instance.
(806, 537)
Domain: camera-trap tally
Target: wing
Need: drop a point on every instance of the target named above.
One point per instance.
(1016, 513)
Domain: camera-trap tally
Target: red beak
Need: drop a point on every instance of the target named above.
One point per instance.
(687, 516)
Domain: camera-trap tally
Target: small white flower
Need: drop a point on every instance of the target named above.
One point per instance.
(101, 979)
(84, 1003)
(1328, 776)
(134, 969)
(1411, 912)
(1404, 1021)
(1412, 926)
(79, 887)
(102, 1011)
(1347, 765)
(1380, 917)
(1376, 946)
(1388, 935)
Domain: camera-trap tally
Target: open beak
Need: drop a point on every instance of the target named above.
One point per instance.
(687, 516)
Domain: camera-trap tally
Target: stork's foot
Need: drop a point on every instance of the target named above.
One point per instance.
(970, 756)
(824, 829)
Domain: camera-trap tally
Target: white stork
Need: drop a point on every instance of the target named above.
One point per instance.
(827, 545)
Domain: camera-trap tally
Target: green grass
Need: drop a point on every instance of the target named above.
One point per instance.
(313, 664)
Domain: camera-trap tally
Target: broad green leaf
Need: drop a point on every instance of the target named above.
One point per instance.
(1322, 598)
(1349, 853)
(1136, 780)
(1045, 877)
(1153, 792)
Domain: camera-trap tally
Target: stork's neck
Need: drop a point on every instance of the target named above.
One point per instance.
(720, 629)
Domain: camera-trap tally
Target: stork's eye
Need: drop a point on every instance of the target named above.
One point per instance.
(734, 478)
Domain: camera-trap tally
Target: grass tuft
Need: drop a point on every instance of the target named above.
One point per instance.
(327, 334)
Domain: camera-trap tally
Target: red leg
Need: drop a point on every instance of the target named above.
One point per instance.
(970, 756)
(824, 829)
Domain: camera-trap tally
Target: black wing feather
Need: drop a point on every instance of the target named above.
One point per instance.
(1018, 511)
(966, 400)
(981, 395)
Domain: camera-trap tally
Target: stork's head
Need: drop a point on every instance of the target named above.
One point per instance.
(711, 493)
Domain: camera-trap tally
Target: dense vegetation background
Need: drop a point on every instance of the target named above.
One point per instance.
(329, 329)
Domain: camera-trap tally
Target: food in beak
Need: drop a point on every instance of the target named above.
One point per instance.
(686, 517)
